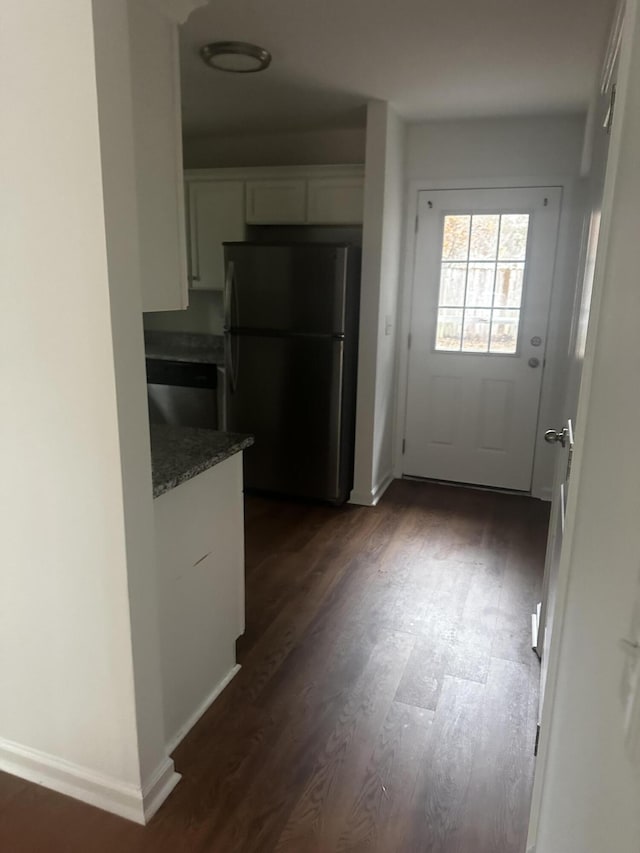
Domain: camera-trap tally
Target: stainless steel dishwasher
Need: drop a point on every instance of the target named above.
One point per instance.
(185, 393)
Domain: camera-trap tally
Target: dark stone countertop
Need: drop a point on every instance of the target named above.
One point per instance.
(184, 346)
(180, 453)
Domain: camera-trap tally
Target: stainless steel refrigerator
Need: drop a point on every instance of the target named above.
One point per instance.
(291, 348)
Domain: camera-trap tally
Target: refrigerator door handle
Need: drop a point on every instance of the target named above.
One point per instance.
(235, 367)
(231, 361)
(335, 430)
(228, 288)
(221, 399)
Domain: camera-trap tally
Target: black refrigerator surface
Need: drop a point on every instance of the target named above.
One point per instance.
(291, 346)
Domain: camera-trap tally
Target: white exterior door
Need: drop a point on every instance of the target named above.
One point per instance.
(482, 283)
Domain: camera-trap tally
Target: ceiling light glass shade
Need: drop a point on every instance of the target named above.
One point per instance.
(238, 57)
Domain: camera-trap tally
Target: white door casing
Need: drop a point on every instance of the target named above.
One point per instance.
(472, 413)
(599, 148)
(554, 583)
(557, 522)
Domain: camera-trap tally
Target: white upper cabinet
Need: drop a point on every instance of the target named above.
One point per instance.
(155, 87)
(221, 202)
(216, 215)
(336, 201)
(276, 201)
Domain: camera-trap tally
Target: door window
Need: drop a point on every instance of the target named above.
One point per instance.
(481, 282)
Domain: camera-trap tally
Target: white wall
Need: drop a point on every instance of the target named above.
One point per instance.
(495, 148)
(509, 152)
(588, 786)
(118, 164)
(381, 263)
(78, 683)
(303, 148)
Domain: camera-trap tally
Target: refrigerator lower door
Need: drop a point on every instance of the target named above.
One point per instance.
(287, 392)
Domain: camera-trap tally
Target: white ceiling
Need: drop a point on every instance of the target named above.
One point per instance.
(429, 58)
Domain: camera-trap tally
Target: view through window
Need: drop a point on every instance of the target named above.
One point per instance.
(481, 282)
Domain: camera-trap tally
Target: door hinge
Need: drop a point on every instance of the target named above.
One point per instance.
(608, 119)
(417, 220)
(409, 341)
(404, 445)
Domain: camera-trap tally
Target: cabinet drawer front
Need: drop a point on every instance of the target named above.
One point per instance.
(335, 201)
(270, 202)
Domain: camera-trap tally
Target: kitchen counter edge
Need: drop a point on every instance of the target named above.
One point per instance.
(180, 453)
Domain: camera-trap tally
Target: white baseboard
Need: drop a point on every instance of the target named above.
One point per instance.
(106, 793)
(158, 788)
(186, 727)
(371, 498)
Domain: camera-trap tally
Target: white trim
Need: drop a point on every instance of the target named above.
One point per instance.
(158, 788)
(613, 48)
(106, 793)
(371, 498)
(275, 172)
(569, 185)
(564, 569)
(186, 727)
(179, 182)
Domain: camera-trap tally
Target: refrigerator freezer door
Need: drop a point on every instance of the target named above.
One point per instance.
(288, 394)
(295, 288)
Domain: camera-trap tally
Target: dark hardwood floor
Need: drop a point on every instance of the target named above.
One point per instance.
(387, 698)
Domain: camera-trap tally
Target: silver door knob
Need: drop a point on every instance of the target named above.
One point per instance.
(534, 362)
(554, 436)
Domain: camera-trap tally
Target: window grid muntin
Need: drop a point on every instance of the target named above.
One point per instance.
(496, 262)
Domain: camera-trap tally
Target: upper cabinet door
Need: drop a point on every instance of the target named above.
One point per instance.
(276, 201)
(335, 201)
(155, 85)
(216, 215)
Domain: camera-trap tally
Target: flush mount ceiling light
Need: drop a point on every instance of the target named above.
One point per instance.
(238, 57)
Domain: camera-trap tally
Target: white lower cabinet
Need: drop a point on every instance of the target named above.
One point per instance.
(216, 215)
(200, 557)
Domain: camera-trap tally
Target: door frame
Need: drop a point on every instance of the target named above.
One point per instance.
(625, 38)
(514, 468)
(562, 287)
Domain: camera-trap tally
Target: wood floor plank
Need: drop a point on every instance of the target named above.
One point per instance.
(316, 821)
(443, 789)
(499, 790)
(387, 798)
